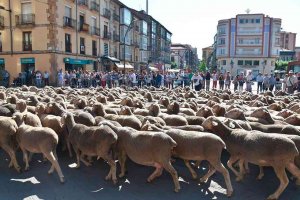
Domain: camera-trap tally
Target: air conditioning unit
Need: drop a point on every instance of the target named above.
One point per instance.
(81, 48)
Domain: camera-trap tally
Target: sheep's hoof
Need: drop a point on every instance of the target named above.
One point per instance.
(239, 179)
(149, 180)
(107, 178)
(194, 176)
(272, 197)
(62, 180)
(229, 193)
(19, 170)
(177, 190)
(115, 181)
(202, 180)
(121, 175)
(50, 172)
(26, 169)
(10, 165)
(259, 177)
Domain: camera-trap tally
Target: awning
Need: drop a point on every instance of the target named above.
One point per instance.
(113, 59)
(154, 69)
(2, 61)
(77, 61)
(27, 60)
(121, 66)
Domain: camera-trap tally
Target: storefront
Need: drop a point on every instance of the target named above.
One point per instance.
(3, 73)
(27, 70)
(108, 63)
(78, 64)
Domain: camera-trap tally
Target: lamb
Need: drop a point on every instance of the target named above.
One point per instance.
(257, 148)
(38, 140)
(146, 148)
(8, 140)
(194, 146)
(92, 141)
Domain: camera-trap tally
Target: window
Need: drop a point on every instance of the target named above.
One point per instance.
(252, 21)
(241, 41)
(248, 62)
(82, 46)
(68, 12)
(257, 21)
(105, 32)
(246, 21)
(223, 62)
(240, 62)
(257, 41)
(277, 41)
(256, 62)
(241, 21)
(94, 48)
(81, 22)
(222, 51)
(27, 41)
(0, 42)
(26, 8)
(221, 41)
(222, 30)
(105, 49)
(68, 44)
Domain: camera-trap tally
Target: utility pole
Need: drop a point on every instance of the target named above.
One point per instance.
(147, 7)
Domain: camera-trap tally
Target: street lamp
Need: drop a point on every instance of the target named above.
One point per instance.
(10, 26)
(128, 29)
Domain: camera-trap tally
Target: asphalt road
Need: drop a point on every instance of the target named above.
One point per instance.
(88, 183)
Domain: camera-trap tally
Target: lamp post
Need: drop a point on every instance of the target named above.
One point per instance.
(127, 31)
(10, 26)
(231, 64)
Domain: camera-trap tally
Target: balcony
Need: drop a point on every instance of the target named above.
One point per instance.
(25, 20)
(106, 13)
(116, 17)
(95, 31)
(95, 6)
(27, 46)
(116, 37)
(84, 27)
(83, 3)
(69, 22)
(68, 47)
(1, 22)
(106, 35)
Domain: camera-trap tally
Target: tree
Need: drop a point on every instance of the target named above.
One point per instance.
(174, 65)
(202, 66)
(281, 65)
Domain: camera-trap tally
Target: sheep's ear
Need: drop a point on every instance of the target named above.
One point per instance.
(231, 125)
(24, 116)
(214, 123)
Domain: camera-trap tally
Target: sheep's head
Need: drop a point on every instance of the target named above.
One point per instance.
(19, 118)
(125, 110)
(149, 96)
(285, 113)
(67, 117)
(275, 106)
(98, 109)
(205, 111)
(235, 113)
(174, 108)
(127, 102)
(261, 113)
(21, 105)
(146, 126)
(40, 109)
(154, 110)
(218, 110)
(2, 95)
(165, 101)
(211, 123)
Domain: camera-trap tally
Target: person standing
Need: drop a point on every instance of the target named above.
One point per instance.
(291, 82)
(278, 83)
(265, 82)
(207, 80)
(259, 80)
(272, 82)
(221, 81)
(215, 80)
(227, 80)
(249, 82)
(38, 79)
(241, 82)
(236, 82)
(60, 78)
(196, 80)
(46, 78)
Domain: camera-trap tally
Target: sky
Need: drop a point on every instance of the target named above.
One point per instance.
(195, 22)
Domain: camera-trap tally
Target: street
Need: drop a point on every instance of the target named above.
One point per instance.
(88, 183)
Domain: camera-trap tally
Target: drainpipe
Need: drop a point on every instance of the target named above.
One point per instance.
(76, 8)
(10, 27)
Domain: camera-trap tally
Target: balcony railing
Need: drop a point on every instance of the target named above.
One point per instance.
(25, 19)
(69, 22)
(116, 37)
(95, 6)
(1, 22)
(106, 13)
(95, 31)
(69, 48)
(116, 17)
(27, 46)
(84, 27)
(83, 2)
(106, 35)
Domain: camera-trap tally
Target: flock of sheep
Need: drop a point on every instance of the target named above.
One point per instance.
(153, 127)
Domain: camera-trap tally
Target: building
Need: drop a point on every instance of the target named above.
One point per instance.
(185, 56)
(288, 40)
(68, 34)
(206, 52)
(287, 55)
(297, 52)
(248, 42)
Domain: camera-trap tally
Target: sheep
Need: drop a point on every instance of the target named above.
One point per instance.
(235, 113)
(205, 112)
(293, 120)
(38, 140)
(192, 145)
(92, 141)
(146, 148)
(8, 129)
(174, 120)
(257, 148)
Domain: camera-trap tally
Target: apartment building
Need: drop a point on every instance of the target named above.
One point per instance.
(248, 42)
(185, 56)
(288, 40)
(206, 53)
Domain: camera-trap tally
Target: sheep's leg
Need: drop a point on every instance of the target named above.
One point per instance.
(50, 156)
(230, 162)
(220, 168)
(69, 146)
(188, 165)
(295, 171)
(25, 158)
(52, 166)
(284, 181)
(210, 172)
(77, 152)
(247, 167)
(113, 169)
(261, 173)
(13, 160)
(169, 168)
(197, 164)
(156, 173)
(242, 171)
(84, 161)
(122, 160)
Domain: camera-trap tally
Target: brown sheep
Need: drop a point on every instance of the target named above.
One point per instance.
(205, 112)
(235, 113)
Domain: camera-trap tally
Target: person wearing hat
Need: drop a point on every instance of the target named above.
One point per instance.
(291, 82)
(259, 80)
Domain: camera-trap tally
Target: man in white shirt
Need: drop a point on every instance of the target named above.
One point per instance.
(249, 82)
(38, 79)
(291, 82)
(259, 80)
(133, 79)
(197, 79)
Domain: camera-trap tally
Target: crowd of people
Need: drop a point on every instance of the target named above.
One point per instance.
(198, 80)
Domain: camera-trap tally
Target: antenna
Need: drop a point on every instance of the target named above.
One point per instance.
(248, 11)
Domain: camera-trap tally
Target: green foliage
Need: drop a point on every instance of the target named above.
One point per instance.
(174, 65)
(202, 66)
(281, 65)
